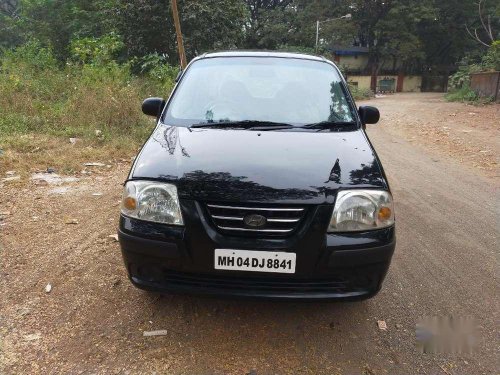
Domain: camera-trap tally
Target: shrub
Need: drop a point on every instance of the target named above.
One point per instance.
(43, 104)
(32, 55)
(94, 93)
(156, 67)
(96, 51)
(466, 94)
(360, 93)
(462, 76)
(490, 61)
(492, 58)
(459, 82)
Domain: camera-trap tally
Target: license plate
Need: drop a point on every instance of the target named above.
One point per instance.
(256, 261)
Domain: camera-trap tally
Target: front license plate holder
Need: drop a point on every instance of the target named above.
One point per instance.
(255, 261)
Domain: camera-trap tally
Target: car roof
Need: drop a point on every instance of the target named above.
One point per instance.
(287, 55)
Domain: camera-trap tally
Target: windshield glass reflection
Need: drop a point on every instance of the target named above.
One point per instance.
(292, 91)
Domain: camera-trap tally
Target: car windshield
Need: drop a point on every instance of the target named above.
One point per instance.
(268, 89)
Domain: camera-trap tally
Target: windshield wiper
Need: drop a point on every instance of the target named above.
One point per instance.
(244, 124)
(329, 125)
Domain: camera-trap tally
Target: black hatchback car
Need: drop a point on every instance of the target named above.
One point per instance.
(258, 181)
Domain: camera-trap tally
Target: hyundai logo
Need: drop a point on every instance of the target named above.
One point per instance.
(255, 220)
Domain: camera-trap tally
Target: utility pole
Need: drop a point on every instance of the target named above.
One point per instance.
(178, 32)
(317, 36)
(318, 22)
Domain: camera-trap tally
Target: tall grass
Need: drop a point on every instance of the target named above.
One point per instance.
(466, 94)
(42, 103)
(360, 93)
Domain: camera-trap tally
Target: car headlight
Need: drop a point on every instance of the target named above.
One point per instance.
(359, 210)
(151, 201)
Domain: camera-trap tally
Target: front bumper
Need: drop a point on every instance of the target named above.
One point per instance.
(329, 266)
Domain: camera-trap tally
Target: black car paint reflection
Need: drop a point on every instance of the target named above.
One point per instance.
(290, 175)
(244, 165)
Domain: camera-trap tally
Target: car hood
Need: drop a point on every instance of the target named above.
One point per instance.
(259, 166)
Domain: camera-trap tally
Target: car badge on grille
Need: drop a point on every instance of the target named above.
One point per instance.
(255, 220)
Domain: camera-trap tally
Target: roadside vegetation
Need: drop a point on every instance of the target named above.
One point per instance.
(459, 83)
(86, 110)
(360, 93)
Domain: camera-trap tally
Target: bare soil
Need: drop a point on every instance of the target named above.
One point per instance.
(470, 134)
(93, 319)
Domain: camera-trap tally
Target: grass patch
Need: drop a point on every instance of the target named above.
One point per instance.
(466, 94)
(43, 105)
(33, 151)
(361, 93)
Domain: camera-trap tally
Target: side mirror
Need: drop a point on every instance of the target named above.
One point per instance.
(153, 106)
(369, 115)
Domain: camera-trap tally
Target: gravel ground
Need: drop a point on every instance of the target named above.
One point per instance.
(92, 321)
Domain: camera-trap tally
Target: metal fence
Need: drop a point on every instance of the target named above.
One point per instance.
(486, 84)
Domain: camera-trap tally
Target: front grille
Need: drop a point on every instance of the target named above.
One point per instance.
(279, 220)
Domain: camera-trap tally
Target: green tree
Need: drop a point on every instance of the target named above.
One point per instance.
(147, 26)
(212, 24)
(406, 35)
(10, 35)
(444, 38)
(491, 61)
(389, 29)
(333, 31)
(397, 34)
(486, 24)
(56, 22)
(268, 24)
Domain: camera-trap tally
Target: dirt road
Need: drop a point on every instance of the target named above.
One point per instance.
(92, 321)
